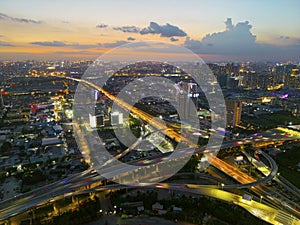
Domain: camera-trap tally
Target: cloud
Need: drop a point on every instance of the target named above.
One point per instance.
(194, 45)
(63, 44)
(135, 45)
(3, 43)
(128, 29)
(284, 37)
(173, 39)
(167, 30)
(74, 53)
(102, 25)
(238, 36)
(140, 44)
(130, 39)
(19, 20)
(85, 46)
(114, 44)
(49, 43)
(235, 39)
(238, 41)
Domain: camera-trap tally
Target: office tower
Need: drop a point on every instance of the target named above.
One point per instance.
(234, 112)
(1, 100)
(116, 118)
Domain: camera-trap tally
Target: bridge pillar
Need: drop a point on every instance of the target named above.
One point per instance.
(92, 195)
(56, 209)
(74, 200)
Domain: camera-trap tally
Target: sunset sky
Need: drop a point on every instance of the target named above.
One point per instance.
(217, 29)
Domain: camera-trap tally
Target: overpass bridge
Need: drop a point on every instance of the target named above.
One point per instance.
(85, 179)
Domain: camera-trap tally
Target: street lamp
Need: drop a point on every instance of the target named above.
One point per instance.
(222, 185)
(261, 197)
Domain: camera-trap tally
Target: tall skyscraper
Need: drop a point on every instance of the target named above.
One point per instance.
(96, 121)
(1, 99)
(116, 118)
(234, 112)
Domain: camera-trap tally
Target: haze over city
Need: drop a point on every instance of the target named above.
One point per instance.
(235, 30)
(149, 112)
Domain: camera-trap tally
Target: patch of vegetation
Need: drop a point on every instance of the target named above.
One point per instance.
(191, 165)
(35, 177)
(228, 151)
(85, 213)
(271, 120)
(287, 163)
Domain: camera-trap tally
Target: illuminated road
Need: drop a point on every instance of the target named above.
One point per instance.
(216, 162)
(41, 196)
(69, 186)
(258, 209)
(228, 169)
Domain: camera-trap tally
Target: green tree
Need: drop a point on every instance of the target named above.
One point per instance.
(6, 146)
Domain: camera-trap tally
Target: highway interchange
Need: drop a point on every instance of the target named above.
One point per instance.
(275, 209)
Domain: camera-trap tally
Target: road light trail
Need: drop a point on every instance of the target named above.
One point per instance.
(235, 173)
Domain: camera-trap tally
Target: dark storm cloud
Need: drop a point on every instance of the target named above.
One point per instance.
(167, 30)
(3, 43)
(128, 29)
(173, 39)
(130, 39)
(19, 20)
(102, 25)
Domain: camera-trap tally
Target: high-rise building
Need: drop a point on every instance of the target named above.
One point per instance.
(116, 118)
(234, 112)
(1, 99)
(96, 121)
(100, 120)
(222, 80)
(187, 98)
(92, 120)
(232, 82)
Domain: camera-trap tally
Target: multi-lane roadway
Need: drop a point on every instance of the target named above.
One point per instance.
(29, 200)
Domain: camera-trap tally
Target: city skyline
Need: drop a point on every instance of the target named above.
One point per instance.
(63, 143)
(149, 112)
(72, 30)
